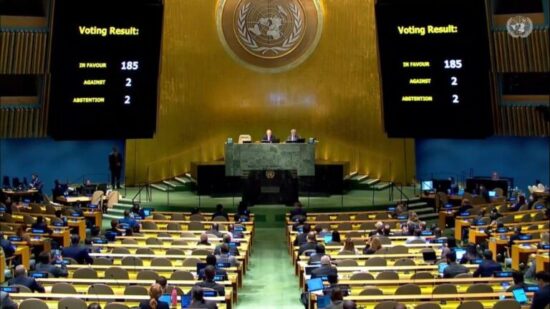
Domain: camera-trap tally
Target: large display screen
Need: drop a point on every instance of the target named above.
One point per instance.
(434, 60)
(104, 69)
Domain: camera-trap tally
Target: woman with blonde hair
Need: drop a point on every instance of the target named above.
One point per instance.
(155, 291)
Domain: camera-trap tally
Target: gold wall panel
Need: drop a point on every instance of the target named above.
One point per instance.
(206, 96)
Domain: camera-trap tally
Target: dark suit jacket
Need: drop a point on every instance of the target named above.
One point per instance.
(296, 137)
(487, 268)
(78, 253)
(28, 282)
(273, 139)
(52, 269)
(324, 270)
(6, 302)
(315, 258)
(298, 212)
(204, 304)
(212, 285)
(8, 247)
(307, 246)
(339, 304)
(115, 162)
(541, 298)
(161, 305)
(300, 239)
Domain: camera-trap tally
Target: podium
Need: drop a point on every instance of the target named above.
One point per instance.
(269, 172)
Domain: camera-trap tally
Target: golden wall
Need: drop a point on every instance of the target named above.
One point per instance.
(206, 96)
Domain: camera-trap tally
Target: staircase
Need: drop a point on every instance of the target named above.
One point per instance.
(117, 212)
(176, 184)
(362, 182)
(422, 209)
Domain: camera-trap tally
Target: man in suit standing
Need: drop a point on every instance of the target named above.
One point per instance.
(21, 278)
(115, 166)
(293, 137)
(269, 137)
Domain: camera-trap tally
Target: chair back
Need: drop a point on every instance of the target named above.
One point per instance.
(470, 305)
(132, 261)
(33, 303)
(136, 290)
(85, 273)
(479, 288)
(63, 288)
(507, 304)
(387, 275)
(71, 302)
(182, 275)
(116, 272)
(445, 289)
(362, 276)
(371, 291)
(408, 289)
(147, 274)
(160, 261)
(100, 289)
(116, 306)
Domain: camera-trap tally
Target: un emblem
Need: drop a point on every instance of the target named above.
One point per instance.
(269, 35)
(519, 26)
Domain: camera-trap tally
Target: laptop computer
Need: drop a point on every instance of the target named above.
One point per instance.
(300, 140)
(315, 284)
(459, 253)
(520, 296)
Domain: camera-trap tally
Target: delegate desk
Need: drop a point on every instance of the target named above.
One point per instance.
(542, 260)
(404, 272)
(19, 193)
(446, 301)
(234, 274)
(131, 301)
(521, 253)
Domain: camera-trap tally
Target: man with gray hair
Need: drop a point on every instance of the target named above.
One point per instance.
(21, 278)
(326, 268)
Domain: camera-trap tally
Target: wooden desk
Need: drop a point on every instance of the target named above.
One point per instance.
(25, 254)
(451, 300)
(52, 300)
(542, 261)
(520, 253)
(96, 216)
(15, 193)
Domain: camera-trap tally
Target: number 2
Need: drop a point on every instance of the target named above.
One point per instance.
(455, 99)
(127, 99)
(454, 81)
(128, 82)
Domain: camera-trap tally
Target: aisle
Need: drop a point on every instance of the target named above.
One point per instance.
(270, 281)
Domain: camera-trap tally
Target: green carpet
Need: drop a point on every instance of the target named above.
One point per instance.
(270, 281)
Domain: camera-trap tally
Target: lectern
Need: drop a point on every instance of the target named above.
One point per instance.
(270, 171)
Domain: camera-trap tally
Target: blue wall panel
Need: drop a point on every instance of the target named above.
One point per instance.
(524, 159)
(68, 161)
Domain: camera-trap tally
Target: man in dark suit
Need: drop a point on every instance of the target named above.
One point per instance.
(269, 137)
(75, 251)
(488, 267)
(297, 212)
(6, 302)
(542, 297)
(199, 301)
(115, 166)
(44, 265)
(21, 278)
(302, 238)
(310, 244)
(519, 281)
(315, 258)
(293, 137)
(326, 268)
(453, 269)
(7, 246)
(209, 273)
